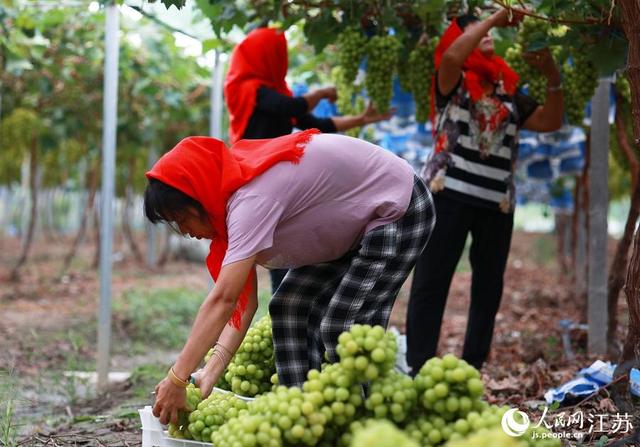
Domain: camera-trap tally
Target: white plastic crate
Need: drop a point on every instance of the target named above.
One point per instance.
(154, 434)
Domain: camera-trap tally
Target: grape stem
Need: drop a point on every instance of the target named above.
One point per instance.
(587, 21)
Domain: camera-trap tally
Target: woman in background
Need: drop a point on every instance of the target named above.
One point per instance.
(261, 105)
(478, 113)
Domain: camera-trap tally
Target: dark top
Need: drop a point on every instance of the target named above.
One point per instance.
(272, 115)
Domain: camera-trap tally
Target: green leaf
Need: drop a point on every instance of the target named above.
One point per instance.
(322, 30)
(211, 44)
(210, 9)
(432, 8)
(608, 55)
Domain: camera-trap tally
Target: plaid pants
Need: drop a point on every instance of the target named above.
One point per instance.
(316, 303)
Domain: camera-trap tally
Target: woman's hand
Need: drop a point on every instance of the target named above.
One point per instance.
(169, 399)
(207, 377)
(371, 115)
(507, 17)
(330, 93)
(314, 96)
(543, 61)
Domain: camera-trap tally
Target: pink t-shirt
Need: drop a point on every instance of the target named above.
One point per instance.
(316, 211)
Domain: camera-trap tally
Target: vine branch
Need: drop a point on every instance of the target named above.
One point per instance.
(586, 21)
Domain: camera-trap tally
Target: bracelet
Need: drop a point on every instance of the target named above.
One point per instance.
(177, 381)
(219, 356)
(223, 347)
(556, 88)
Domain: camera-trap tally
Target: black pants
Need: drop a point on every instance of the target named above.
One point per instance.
(277, 275)
(491, 239)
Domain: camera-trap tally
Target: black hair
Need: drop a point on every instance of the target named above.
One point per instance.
(163, 202)
(466, 20)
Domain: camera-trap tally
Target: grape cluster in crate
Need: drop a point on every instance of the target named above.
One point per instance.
(443, 405)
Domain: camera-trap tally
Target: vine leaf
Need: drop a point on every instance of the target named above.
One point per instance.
(608, 54)
(322, 30)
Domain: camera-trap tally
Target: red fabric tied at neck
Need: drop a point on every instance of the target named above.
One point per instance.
(261, 59)
(206, 170)
(478, 69)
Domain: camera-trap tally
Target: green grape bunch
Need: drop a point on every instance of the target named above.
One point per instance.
(431, 429)
(248, 430)
(367, 351)
(336, 392)
(288, 416)
(378, 433)
(348, 101)
(580, 80)
(211, 414)
(533, 33)
(382, 58)
(419, 75)
(249, 372)
(251, 369)
(483, 428)
(488, 438)
(392, 397)
(180, 430)
(293, 413)
(449, 386)
(529, 76)
(351, 44)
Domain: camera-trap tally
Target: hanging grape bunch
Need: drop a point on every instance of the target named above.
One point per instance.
(420, 71)
(349, 101)
(382, 58)
(344, 90)
(580, 80)
(532, 31)
(529, 76)
(351, 46)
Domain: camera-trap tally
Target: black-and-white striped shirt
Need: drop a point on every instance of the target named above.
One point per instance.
(477, 146)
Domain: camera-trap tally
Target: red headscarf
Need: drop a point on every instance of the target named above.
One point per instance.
(477, 68)
(206, 170)
(259, 60)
